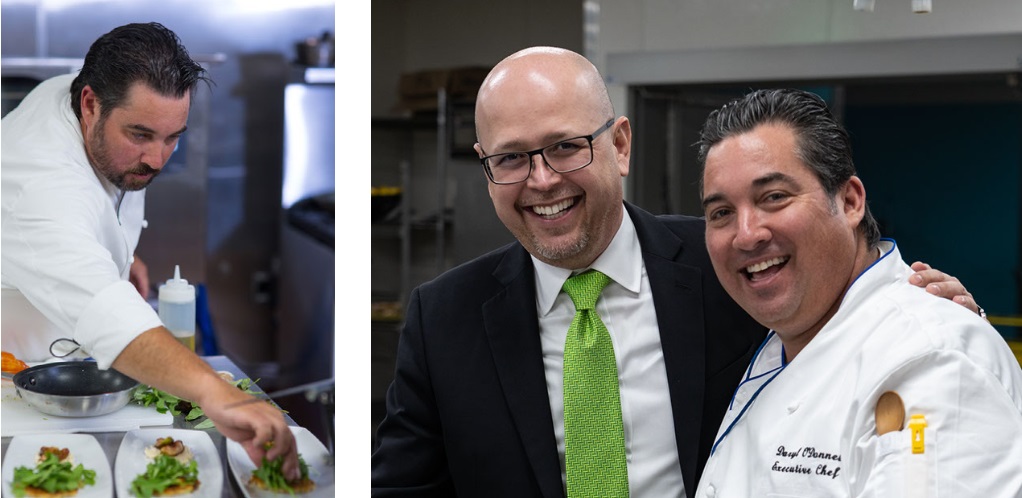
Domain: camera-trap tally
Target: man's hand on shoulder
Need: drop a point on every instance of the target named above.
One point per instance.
(943, 285)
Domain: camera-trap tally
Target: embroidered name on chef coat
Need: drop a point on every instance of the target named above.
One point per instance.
(807, 460)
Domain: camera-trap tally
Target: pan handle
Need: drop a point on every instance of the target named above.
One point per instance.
(70, 352)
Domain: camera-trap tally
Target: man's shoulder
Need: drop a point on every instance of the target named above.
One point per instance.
(917, 324)
(485, 271)
(681, 225)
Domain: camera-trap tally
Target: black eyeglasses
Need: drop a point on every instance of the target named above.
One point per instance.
(563, 157)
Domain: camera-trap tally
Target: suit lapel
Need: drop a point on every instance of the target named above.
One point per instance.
(678, 301)
(512, 328)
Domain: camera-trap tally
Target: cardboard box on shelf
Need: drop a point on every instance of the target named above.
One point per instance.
(418, 89)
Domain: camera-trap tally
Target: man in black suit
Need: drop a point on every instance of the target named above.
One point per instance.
(476, 407)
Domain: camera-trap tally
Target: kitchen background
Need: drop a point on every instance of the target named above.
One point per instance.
(932, 100)
(245, 205)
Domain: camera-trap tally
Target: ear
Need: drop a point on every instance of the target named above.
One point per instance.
(479, 150)
(623, 144)
(90, 105)
(853, 199)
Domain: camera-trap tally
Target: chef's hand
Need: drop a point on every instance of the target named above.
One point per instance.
(943, 285)
(138, 275)
(258, 426)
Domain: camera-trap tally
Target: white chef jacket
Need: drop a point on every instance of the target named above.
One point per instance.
(808, 428)
(68, 237)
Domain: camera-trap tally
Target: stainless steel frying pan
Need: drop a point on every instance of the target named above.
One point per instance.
(74, 388)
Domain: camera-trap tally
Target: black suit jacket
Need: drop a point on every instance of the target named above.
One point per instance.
(468, 413)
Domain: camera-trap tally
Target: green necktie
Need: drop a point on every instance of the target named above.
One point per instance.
(594, 436)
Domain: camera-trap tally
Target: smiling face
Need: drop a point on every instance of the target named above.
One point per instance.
(783, 248)
(131, 144)
(566, 220)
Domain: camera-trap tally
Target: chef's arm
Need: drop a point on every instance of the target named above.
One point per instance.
(157, 359)
(943, 285)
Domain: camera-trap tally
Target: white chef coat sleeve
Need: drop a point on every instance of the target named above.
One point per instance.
(57, 240)
(971, 399)
(114, 318)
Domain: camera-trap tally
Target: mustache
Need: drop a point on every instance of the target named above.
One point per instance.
(143, 169)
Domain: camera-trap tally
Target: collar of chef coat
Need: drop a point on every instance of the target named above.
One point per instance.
(771, 353)
(769, 362)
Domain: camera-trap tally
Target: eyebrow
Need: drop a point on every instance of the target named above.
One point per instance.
(760, 182)
(548, 140)
(146, 129)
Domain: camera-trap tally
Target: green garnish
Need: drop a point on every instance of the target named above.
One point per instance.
(271, 474)
(52, 476)
(163, 472)
(165, 402)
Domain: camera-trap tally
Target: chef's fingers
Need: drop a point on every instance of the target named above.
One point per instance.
(272, 439)
(284, 445)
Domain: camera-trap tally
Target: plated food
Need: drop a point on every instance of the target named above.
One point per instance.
(171, 470)
(54, 475)
(256, 482)
(56, 465)
(270, 477)
(167, 462)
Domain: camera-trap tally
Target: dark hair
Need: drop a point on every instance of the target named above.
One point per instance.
(822, 143)
(148, 53)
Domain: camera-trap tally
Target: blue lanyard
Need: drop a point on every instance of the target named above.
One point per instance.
(775, 372)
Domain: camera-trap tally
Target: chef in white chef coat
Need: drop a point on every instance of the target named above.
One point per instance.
(793, 242)
(78, 153)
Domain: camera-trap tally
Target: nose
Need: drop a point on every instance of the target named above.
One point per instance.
(541, 176)
(751, 231)
(156, 154)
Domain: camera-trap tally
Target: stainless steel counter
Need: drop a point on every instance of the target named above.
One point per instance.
(111, 441)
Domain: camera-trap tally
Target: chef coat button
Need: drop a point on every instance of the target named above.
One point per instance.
(131, 260)
(711, 491)
(794, 406)
(145, 223)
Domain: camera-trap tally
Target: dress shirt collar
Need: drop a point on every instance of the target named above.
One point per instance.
(621, 261)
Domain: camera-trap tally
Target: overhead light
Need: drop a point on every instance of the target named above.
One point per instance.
(922, 6)
(866, 5)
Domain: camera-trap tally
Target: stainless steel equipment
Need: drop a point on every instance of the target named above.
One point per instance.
(304, 345)
(74, 388)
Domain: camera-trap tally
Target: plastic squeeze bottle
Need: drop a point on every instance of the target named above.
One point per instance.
(177, 308)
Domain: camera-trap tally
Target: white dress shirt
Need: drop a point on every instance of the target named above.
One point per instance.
(807, 428)
(626, 308)
(68, 237)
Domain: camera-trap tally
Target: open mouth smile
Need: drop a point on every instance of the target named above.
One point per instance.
(554, 210)
(764, 269)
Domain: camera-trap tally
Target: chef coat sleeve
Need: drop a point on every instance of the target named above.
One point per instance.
(55, 251)
(971, 397)
(114, 318)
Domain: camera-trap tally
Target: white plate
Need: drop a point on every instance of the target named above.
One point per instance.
(316, 456)
(84, 449)
(131, 460)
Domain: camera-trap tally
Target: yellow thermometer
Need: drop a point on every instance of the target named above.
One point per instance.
(916, 425)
